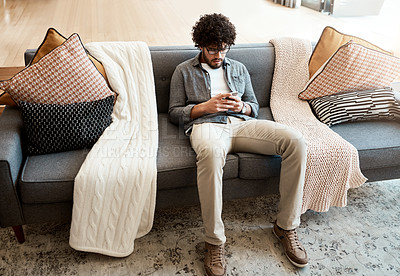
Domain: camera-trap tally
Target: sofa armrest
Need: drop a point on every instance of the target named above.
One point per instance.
(11, 157)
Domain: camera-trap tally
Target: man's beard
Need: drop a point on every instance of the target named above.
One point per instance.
(209, 62)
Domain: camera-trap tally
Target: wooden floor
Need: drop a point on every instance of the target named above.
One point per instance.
(23, 23)
(6, 73)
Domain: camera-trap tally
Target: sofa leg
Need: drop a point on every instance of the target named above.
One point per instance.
(19, 233)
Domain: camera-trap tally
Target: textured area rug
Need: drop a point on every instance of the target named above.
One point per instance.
(360, 239)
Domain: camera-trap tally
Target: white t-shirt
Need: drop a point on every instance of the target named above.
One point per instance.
(218, 82)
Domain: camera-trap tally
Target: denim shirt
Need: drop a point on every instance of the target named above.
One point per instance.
(191, 85)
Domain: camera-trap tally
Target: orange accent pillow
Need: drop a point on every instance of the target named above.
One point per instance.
(352, 68)
(5, 99)
(52, 40)
(328, 44)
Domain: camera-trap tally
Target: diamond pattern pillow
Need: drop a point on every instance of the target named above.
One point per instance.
(328, 44)
(65, 75)
(353, 67)
(54, 39)
(377, 104)
(55, 128)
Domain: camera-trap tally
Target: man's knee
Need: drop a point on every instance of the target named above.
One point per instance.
(211, 152)
(295, 142)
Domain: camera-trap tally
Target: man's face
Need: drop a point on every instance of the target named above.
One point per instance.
(213, 55)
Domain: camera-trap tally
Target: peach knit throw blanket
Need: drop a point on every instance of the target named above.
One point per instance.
(332, 162)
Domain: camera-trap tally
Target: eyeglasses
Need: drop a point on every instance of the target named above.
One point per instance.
(216, 51)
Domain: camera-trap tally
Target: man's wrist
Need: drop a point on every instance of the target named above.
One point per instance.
(244, 108)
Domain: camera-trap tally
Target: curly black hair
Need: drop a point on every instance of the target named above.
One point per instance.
(213, 29)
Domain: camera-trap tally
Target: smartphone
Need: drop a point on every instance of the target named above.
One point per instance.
(234, 93)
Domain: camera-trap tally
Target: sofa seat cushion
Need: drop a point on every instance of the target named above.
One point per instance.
(377, 142)
(257, 166)
(50, 178)
(176, 160)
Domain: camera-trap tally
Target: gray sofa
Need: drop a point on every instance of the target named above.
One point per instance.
(38, 189)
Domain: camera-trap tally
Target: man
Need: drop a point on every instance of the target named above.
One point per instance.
(219, 122)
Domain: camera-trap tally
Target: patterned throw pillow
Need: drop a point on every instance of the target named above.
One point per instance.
(328, 44)
(54, 39)
(55, 128)
(353, 67)
(378, 104)
(65, 75)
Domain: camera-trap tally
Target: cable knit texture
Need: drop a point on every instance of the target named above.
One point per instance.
(332, 162)
(115, 189)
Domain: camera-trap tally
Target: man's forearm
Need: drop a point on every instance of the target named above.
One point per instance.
(200, 110)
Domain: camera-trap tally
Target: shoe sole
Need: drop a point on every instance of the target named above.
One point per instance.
(290, 260)
(212, 274)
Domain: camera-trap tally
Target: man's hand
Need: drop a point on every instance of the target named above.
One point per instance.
(222, 102)
(218, 103)
(236, 103)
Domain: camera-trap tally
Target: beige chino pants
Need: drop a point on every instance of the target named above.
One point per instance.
(213, 141)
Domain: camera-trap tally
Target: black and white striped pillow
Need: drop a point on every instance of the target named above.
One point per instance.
(377, 104)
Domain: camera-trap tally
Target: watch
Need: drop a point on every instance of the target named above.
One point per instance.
(244, 109)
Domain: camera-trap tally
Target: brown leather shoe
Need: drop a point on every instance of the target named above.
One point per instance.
(214, 260)
(294, 250)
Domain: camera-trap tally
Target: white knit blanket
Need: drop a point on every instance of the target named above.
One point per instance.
(115, 189)
(332, 162)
